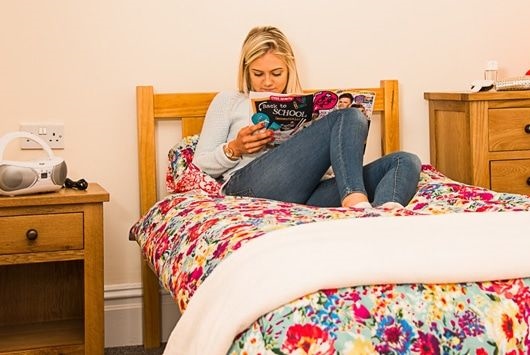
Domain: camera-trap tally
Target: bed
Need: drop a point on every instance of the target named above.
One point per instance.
(449, 275)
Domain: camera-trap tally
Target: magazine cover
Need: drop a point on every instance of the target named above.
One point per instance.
(287, 114)
(327, 101)
(284, 114)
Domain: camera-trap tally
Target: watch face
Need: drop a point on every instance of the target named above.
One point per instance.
(229, 152)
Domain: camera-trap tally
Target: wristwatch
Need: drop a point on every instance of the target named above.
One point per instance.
(229, 152)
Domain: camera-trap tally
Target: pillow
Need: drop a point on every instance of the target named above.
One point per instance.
(182, 175)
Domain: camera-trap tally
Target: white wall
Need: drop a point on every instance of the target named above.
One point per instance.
(78, 62)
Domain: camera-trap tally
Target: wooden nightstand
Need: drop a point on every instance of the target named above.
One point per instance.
(482, 138)
(51, 272)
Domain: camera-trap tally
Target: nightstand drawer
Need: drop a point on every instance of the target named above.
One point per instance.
(511, 176)
(40, 233)
(509, 129)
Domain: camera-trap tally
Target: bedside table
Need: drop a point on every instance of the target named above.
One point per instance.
(51, 272)
(482, 138)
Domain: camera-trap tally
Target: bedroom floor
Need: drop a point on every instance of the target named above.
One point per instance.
(133, 350)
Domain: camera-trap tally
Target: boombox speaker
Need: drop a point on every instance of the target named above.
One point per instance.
(27, 177)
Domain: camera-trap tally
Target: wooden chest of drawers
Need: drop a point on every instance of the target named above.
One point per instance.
(51, 272)
(482, 139)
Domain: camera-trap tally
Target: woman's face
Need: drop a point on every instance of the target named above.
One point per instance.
(268, 73)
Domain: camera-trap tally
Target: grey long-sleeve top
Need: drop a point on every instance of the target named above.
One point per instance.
(229, 111)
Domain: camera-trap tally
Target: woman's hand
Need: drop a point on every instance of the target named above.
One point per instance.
(251, 139)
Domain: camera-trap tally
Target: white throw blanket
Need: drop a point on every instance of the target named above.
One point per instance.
(296, 261)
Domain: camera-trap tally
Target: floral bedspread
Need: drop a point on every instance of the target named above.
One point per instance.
(186, 235)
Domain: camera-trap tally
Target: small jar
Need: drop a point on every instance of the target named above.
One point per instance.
(490, 73)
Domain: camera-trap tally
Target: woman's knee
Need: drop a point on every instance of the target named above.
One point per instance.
(352, 117)
(356, 115)
(350, 114)
(410, 161)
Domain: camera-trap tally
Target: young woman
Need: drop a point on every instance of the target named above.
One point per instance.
(235, 151)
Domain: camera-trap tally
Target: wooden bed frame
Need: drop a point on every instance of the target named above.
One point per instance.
(190, 109)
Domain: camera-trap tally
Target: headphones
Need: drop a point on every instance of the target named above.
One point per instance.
(80, 184)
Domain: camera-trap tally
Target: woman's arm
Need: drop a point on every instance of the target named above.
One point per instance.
(222, 122)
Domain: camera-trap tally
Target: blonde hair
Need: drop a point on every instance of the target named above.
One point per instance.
(259, 41)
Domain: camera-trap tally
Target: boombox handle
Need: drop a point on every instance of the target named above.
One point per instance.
(5, 139)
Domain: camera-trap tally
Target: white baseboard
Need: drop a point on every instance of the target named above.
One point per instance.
(123, 315)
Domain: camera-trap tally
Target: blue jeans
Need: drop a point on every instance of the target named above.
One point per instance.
(292, 172)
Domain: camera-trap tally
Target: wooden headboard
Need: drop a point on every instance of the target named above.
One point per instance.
(190, 109)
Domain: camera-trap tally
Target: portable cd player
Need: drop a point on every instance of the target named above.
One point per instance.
(27, 177)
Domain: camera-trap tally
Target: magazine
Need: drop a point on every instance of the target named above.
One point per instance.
(327, 101)
(287, 114)
(284, 114)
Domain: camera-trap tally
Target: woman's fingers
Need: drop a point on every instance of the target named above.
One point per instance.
(256, 137)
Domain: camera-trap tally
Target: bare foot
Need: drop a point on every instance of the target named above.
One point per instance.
(353, 199)
(391, 205)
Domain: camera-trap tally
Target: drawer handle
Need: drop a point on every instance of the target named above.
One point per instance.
(527, 128)
(528, 181)
(32, 234)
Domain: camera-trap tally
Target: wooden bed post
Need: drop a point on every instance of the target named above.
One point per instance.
(148, 197)
(390, 117)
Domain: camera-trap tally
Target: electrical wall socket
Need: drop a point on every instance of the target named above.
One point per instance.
(51, 133)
